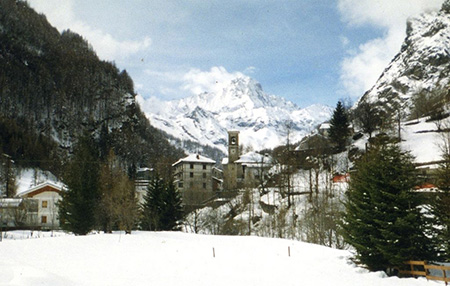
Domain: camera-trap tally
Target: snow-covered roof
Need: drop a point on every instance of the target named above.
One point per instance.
(144, 169)
(254, 158)
(195, 158)
(325, 125)
(250, 158)
(40, 186)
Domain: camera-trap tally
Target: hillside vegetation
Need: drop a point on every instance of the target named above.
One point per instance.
(54, 88)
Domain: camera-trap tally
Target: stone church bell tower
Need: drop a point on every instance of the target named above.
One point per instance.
(233, 146)
(230, 168)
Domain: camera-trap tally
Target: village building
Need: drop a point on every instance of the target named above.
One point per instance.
(16, 213)
(45, 197)
(324, 129)
(197, 179)
(314, 143)
(247, 170)
(143, 178)
(32, 208)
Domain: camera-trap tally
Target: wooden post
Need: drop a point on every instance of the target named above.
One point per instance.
(445, 277)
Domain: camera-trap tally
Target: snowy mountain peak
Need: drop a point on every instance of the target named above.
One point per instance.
(240, 93)
(241, 104)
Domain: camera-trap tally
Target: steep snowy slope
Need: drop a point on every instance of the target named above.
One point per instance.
(241, 105)
(422, 65)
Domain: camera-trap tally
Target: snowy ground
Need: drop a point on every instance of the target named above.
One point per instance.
(163, 258)
(423, 140)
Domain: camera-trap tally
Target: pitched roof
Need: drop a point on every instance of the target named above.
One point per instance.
(47, 186)
(195, 158)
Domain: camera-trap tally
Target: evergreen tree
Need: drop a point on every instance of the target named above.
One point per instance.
(339, 127)
(79, 202)
(441, 205)
(153, 203)
(173, 213)
(162, 208)
(383, 221)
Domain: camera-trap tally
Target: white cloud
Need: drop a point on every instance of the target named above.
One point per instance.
(182, 83)
(360, 70)
(60, 14)
(214, 80)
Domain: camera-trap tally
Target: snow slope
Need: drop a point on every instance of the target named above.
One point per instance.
(423, 140)
(240, 105)
(163, 258)
(419, 137)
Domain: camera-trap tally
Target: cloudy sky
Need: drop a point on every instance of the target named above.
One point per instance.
(308, 51)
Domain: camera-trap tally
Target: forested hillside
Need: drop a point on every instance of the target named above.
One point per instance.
(54, 88)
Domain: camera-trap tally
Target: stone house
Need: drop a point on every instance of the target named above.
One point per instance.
(197, 179)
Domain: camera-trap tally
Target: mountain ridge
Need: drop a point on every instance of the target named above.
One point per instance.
(240, 105)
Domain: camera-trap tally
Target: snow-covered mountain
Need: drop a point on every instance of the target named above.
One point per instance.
(423, 64)
(241, 105)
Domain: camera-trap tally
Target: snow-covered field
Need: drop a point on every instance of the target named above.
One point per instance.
(164, 258)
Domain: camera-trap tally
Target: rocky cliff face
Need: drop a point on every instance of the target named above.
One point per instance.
(422, 65)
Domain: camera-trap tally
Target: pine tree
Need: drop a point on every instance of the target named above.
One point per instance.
(383, 221)
(339, 127)
(441, 205)
(162, 208)
(153, 203)
(79, 202)
(173, 213)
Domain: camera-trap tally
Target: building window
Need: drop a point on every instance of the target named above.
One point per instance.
(44, 204)
(204, 185)
(204, 175)
(204, 166)
(43, 219)
(191, 175)
(180, 185)
(192, 166)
